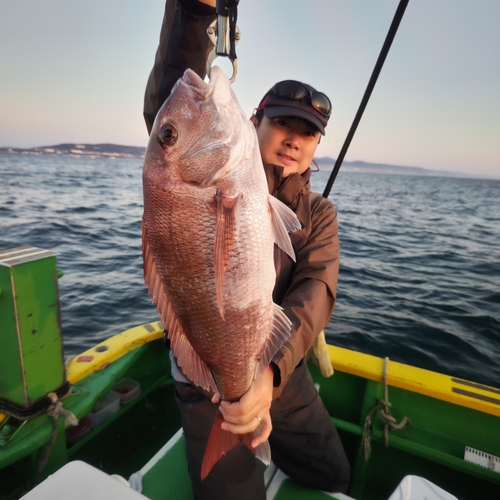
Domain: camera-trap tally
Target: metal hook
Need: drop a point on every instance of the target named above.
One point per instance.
(218, 33)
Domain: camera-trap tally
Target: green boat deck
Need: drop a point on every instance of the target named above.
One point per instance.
(166, 473)
(166, 476)
(431, 447)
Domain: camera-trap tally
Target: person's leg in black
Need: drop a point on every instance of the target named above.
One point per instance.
(304, 442)
(238, 475)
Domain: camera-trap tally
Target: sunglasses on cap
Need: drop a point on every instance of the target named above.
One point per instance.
(291, 89)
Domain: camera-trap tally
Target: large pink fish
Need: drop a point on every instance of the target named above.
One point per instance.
(209, 230)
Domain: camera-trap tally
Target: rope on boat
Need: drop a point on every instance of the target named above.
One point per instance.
(318, 354)
(38, 408)
(55, 410)
(384, 412)
(50, 404)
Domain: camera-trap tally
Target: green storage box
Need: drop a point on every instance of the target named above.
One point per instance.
(31, 350)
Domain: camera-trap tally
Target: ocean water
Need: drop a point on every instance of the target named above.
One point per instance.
(420, 257)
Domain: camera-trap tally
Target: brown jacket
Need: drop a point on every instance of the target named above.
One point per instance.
(305, 289)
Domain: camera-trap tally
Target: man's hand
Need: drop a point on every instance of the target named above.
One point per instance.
(241, 417)
(208, 2)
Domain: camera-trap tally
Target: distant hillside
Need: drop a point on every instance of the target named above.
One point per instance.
(118, 151)
(84, 150)
(327, 163)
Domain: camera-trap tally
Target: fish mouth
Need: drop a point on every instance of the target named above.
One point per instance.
(211, 141)
(192, 79)
(198, 90)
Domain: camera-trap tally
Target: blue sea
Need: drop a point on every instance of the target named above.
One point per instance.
(420, 257)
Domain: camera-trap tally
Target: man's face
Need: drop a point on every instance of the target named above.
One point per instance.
(287, 141)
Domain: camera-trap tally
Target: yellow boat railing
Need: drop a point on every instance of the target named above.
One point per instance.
(444, 387)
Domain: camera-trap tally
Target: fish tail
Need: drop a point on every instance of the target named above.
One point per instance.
(220, 442)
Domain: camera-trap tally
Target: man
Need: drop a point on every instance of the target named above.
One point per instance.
(289, 122)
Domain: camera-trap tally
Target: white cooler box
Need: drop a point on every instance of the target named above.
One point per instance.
(418, 488)
(80, 481)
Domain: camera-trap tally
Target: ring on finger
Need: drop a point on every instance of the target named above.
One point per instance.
(258, 418)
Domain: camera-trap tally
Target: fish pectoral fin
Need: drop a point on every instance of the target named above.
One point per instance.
(192, 365)
(284, 221)
(226, 234)
(280, 331)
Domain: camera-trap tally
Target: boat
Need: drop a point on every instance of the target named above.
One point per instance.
(402, 426)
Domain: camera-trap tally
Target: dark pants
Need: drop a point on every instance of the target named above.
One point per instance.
(304, 444)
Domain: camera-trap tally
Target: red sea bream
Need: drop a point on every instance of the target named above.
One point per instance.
(209, 230)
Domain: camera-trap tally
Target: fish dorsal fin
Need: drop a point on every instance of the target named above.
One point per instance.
(192, 365)
(280, 331)
(226, 234)
(284, 221)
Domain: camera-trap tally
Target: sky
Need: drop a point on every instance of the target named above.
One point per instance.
(75, 71)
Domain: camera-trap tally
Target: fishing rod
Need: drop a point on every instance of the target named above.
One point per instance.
(366, 97)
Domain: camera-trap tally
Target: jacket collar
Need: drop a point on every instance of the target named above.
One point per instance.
(289, 189)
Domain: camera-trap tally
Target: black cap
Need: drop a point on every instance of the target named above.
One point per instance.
(293, 98)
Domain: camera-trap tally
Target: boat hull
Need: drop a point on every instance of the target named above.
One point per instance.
(447, 415)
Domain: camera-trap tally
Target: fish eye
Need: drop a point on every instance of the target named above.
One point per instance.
(168, 134)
